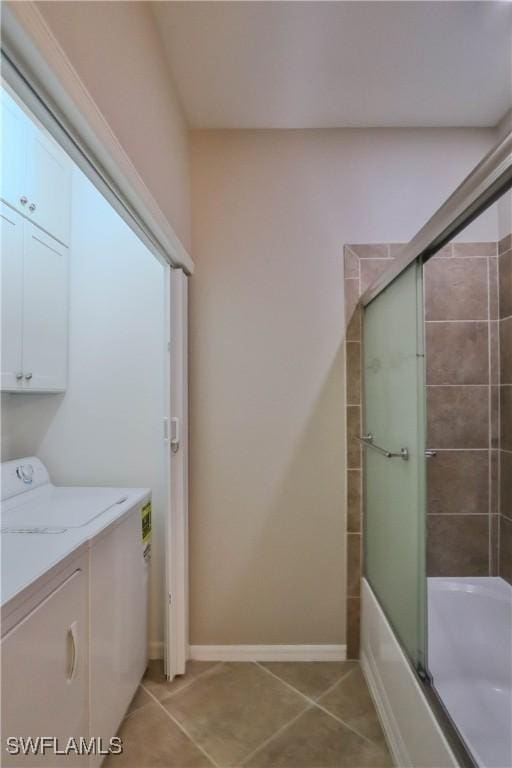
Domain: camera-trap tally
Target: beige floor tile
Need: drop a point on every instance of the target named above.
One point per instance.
(152, 740)
(140, 699)
(351, 702)
(310, 677)
(232, 710)
(316, 740)
(155, 681)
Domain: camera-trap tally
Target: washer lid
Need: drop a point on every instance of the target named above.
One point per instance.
(67, 507)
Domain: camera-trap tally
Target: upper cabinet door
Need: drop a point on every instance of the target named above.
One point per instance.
(13, 127)
(45, 313)
(48, 185)
(11, 234)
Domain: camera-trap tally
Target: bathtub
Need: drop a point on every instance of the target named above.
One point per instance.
(470, 659)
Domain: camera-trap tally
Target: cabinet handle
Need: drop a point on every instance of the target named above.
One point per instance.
(28, 376)
(19, 376)
(72, 642)
(23, 200)
(32, 207)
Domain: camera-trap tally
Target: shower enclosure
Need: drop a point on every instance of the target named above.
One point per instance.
(436, 363)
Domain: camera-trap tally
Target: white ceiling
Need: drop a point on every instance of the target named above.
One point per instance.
(339, 64)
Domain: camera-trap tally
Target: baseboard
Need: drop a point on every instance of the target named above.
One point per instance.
(268, 652)
(156, 649)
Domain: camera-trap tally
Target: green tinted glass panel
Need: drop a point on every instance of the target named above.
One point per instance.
(394, 492)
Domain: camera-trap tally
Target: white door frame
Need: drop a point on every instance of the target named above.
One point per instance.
(176, 541)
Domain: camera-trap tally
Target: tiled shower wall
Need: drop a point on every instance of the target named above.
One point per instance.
(468, 333)
(462, 377)
(505, 452)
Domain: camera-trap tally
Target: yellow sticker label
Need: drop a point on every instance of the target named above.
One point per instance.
(145, 515)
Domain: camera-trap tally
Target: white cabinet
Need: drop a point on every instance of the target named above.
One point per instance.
(11, 237)
(48, 185)
(36, 172)
(13, 126)
(45, 670)
(35, 295)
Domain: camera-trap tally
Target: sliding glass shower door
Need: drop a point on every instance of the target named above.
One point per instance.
(394, 457)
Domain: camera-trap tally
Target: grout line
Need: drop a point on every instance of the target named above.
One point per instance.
(274, 735)
(486, 384)
(433, 448)
(458, 514)
(432, 322)
(191, 682)
(293, 688)
(181, 727)
(480, 384)
(316, 703)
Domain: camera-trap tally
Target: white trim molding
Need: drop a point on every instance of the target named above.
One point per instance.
(268, 652)
(27, 37)
(412, 732)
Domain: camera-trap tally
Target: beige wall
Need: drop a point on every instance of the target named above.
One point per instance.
(116, 49)
(271, 211)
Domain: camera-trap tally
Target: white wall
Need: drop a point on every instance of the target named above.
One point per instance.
(271, 212)
(106, 429)
(116, 50)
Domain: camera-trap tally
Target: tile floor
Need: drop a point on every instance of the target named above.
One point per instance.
(294, 715)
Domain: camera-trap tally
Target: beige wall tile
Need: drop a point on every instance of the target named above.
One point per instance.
(495, 545)
(458, 417)
(494, 309)
(353, 332)
(506, 484)
(351, 263)
(469, 250)
(506, 417)
(444, 252)
(506, 549)
(395, 249)
(458, 545)
(505, 280)
(353, 564)
(457, 353)
(505, 244)
(354, 501)
(458, 482)
(456, 289)
(351, 297)
(494, 489)
(353, 372)
(353, 431)
(371, 269)
(370, 250)
(506, 351)
(353, 627)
